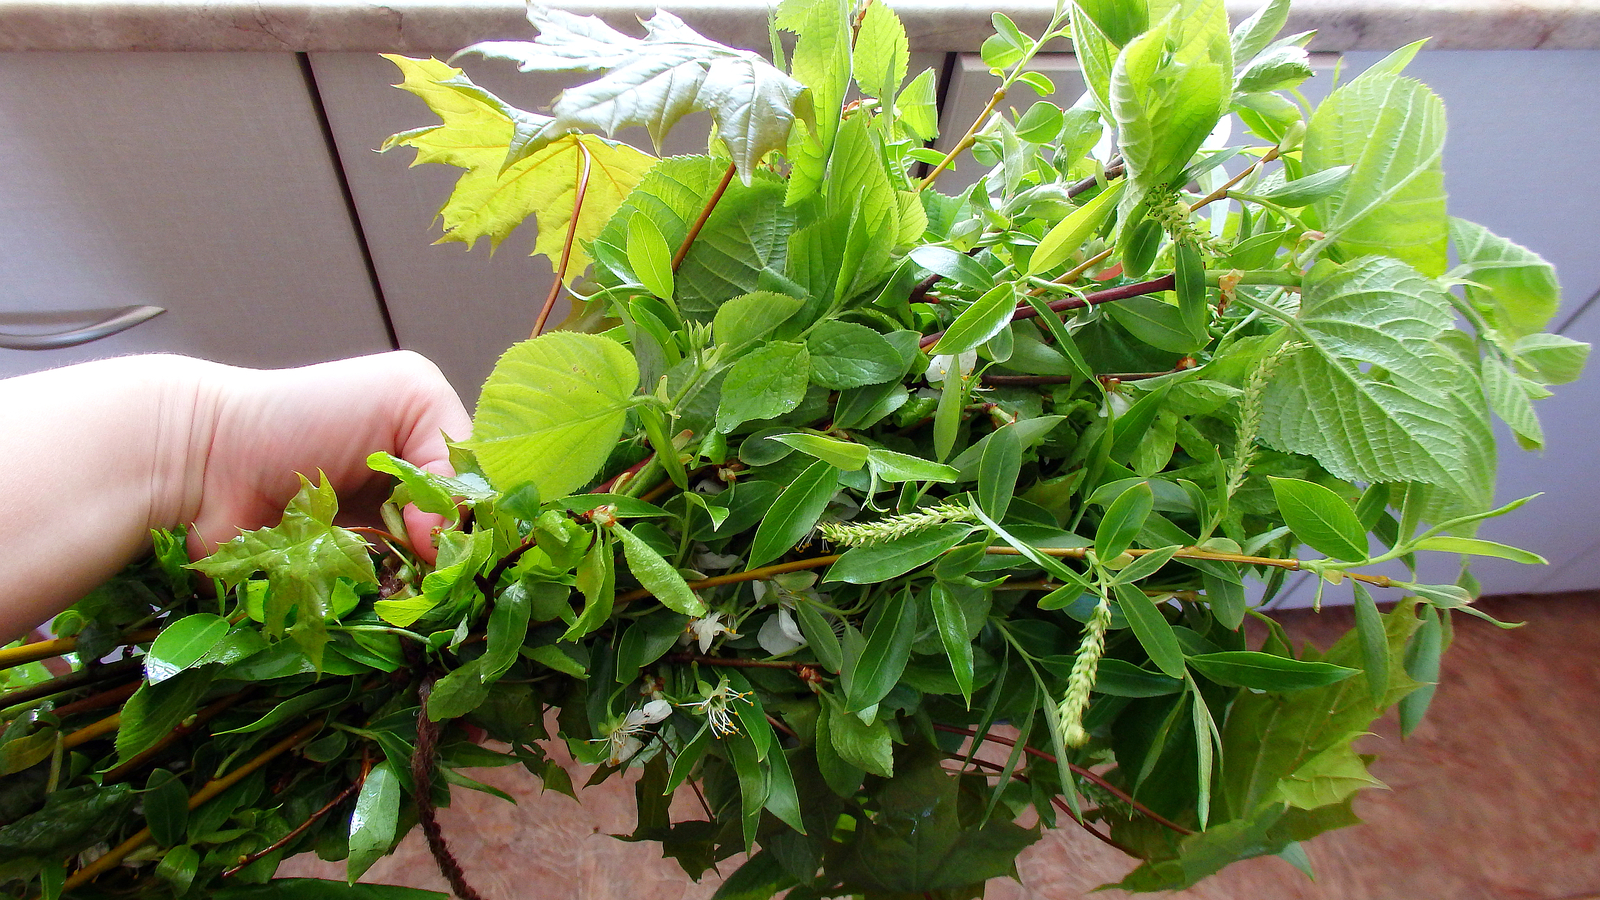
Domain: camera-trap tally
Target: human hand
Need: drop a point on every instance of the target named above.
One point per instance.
(255, 431)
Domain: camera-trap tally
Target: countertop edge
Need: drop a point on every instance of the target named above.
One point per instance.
(443, 26)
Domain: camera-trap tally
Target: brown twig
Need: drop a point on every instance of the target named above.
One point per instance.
(298, 830)
(1055, 801)
(422, 768)
(736, 662)
(705, 215)
(1221, 192)
(816, 562)
(1109, 295)
(109, 697)
(210, 790)
(919, 294)
(1114, 170)
(1078, 770)
(583, 163)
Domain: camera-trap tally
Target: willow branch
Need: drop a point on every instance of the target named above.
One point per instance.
(298, 830)
(27, 653)
(1109, 295)
(967, 140)
(211, 789)
(1115, 170)
(584, 163)
(816, 562)
(84, 677)
(1221, 192)
(1055, 801)
(738, 662)
(705, 215)
(188, 727)
(1293, 565)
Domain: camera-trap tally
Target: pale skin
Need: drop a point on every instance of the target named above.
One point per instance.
(99, 454)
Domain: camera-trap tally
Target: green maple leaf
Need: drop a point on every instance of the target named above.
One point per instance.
(656, 80)
(302, 557)
(493, 197)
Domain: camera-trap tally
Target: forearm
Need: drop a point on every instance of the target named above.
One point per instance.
(95, 456)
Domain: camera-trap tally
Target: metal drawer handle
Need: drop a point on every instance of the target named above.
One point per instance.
(104, 323)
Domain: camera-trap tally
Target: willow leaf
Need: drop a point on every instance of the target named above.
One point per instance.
(1511, 285)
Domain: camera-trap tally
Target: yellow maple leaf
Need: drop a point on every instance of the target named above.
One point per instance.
(490, 200)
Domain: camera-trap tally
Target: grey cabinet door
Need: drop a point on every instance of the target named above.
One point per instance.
(197, 182)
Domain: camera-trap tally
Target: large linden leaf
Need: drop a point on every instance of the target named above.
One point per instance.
(657, 80)
(552, 411)
(492, 198)
(1390, 131)
(1373, 393)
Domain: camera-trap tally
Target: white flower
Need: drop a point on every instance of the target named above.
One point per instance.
(705, 630)
(1117, 404)
(624, 738)
(940, 367)
(779, 634)
(717, 707)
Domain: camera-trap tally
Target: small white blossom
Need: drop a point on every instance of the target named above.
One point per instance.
(717, 707)
(624, 738)
(705, 630)
(780, 635)
(940, 367)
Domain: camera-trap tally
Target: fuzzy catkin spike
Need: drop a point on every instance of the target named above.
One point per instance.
(1250, 412)
(1076, 700)
(856, 534)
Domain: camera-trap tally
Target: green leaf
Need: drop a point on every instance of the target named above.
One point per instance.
(1479, 547)
(508, 628)
(649, 255)
(302, 556)
(183, 644)
(1422, 665)
(155, 710)
(1308, 190)
(1279, 68)
(178, 867)
(760, 878)
(998, 469)
(822, 62)
(1152, 629)
(69, 819)
(1420, 419)
(887, 465)
(845, 455)
(1266, 672)
(540, 177)
(657, 575)
(881, 53)
(1169, 86)
(596, 577)
(425, 489)
(293, 707)
(794, 513)
(1374, 644)
(1512, 286)
(1254, 34)
(884, 658)
(951, 621)
(1557, 359)
(1123, 521)
(1301, 742)
(867, 747)
(373, 823)
(1390, 131)
(918, 105)
(979, 322)
(656, 80)
(1042, 123)
(552, 410)
(1120, 678)
(847, 355)
(166, 807)
(947, 262)
(1156, 322)
(876, 563)
(1064, 239)
(748, 317)
(1320, 518)
(767, 382)
(1146, 565)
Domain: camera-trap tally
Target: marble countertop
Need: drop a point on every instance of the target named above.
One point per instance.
(441, 26)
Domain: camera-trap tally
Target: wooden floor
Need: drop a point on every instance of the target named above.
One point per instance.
(1495, 797)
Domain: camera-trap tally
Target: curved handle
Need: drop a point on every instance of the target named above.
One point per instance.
(105, 322)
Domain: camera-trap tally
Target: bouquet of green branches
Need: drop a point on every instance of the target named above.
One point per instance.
(832, 480)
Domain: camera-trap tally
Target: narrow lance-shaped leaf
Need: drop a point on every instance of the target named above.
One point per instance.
(1320, 518)
(658, 576)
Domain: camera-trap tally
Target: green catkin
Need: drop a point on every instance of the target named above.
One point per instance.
(1076, 700)
(857, 533)
(1251, 406)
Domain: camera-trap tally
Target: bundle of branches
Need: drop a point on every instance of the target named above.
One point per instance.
(832, 475)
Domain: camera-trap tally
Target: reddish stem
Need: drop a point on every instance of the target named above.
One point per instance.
(705, 214)
(1109, 295)
(584, 162)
